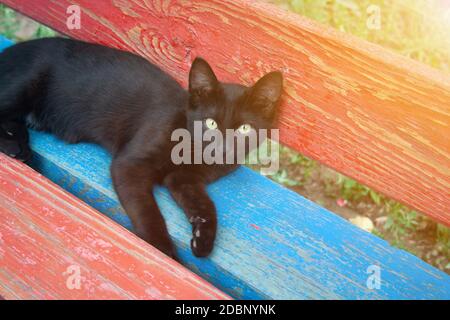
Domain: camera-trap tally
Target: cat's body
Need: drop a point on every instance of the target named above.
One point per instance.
(86, 92)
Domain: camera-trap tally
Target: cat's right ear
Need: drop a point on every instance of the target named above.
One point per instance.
(202, 79)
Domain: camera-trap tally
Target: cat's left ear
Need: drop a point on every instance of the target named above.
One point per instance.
(202, 79)
(266, 93)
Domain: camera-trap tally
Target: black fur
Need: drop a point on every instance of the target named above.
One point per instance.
(86, 92)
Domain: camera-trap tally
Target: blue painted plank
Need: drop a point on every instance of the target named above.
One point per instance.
(271, 244)
(4, 43)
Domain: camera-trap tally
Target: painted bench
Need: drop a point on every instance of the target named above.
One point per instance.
(54, 246)
(342, 106)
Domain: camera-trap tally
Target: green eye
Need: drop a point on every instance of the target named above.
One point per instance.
(245, 129)
(211, 124)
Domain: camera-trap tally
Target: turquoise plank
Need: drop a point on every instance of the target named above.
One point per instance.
(4, 43)
(271, 244)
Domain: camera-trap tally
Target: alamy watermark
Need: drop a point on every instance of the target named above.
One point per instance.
(73, 277)
(74, 19)
(212, 146)
(374, 17)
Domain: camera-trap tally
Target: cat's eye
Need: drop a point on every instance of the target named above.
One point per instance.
(245, 129)
(211, 124)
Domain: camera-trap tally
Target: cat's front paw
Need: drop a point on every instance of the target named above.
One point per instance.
(15, 150)
(159, 240)
(203, 236)
(14, 141)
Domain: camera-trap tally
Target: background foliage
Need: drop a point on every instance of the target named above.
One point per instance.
(418, 29)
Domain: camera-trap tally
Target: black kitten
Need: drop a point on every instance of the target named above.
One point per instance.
(86, 92)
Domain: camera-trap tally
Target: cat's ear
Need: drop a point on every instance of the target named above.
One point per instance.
(202, 79)
(266, 92)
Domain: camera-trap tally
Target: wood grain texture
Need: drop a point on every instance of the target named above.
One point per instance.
(370, 114)
(271, 242)
(45, 231)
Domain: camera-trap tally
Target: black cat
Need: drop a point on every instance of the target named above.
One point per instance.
(86, 92)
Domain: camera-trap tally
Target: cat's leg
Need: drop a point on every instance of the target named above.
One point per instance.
(133, 181)
(189, 191)
(14, 140)
(18, 87)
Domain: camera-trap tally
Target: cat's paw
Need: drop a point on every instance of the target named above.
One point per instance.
(203, 236)
(15, 149)
(14, 141)
(165, 245)
(160, 240)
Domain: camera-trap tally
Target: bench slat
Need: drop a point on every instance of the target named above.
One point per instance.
(370, 114)
(271, 243)
(48, 235)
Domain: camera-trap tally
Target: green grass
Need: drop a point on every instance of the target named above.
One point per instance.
(414, 28)
(9, 25)
(44, 32)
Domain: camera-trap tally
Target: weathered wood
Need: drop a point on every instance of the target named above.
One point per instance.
(271, 243)
(47, 236)
(370, 114)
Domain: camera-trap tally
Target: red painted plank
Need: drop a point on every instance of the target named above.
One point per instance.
(47, 236)
(370, 114)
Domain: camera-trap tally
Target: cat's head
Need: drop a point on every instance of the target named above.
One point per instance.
(222, 106)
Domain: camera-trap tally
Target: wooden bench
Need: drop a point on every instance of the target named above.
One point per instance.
(370, 114)
(48, 237)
